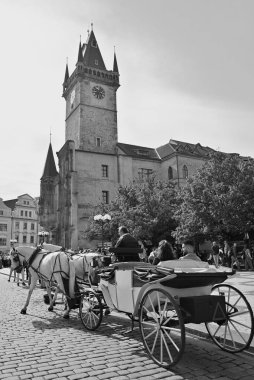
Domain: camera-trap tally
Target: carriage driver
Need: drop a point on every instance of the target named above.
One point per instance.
(126, 240)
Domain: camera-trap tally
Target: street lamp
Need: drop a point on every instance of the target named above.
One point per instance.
(42, 235)
(101, 219)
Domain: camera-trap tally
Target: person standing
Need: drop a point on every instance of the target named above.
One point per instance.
(234, 258)
(247, 257)
(215, 252)
(227, 254)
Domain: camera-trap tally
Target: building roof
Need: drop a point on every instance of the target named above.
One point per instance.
(137, 151)
(176, 146)
(50, 166)
(11, 203)
(92, 54)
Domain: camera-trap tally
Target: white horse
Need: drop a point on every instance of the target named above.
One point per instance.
(51, 267)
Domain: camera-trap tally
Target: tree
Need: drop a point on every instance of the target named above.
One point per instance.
(146, 208)
(218, 201)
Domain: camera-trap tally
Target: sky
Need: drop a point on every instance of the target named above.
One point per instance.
(186, 73)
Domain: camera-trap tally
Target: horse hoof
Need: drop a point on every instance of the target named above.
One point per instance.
(23, 311)
(50, 308)
(66, 316)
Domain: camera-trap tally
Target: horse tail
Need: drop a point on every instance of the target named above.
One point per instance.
(72, 279)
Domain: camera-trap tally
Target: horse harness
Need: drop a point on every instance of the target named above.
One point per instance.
(34, 255)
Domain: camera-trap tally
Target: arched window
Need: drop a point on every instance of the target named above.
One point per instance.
(185, 171)
(170, 172)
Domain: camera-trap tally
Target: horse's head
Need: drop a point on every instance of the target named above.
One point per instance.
(19, 256)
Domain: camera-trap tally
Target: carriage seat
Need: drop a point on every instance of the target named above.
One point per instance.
(187, 266)
(126, 254)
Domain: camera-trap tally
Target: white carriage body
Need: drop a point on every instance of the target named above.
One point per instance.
(122, 292)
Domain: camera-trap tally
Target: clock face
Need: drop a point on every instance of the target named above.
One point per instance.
(98, 92)
(72, 96)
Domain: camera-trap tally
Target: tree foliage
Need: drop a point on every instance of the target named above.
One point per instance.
(218, 201)
(146, 208)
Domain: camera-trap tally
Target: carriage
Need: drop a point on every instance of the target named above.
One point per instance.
(165, 298)
(162, 299)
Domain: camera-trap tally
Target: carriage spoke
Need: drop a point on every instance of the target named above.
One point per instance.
(166, 346)
(236, 329)
(240, 323)
(172, 341)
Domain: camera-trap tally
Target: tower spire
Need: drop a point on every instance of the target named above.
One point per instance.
(80, 54)
(115, 65)
(50, 166)
(66, 76)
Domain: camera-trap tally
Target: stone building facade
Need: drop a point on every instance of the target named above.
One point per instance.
(19, 220)
(92, 162)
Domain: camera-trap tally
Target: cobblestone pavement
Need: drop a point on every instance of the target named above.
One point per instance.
(43, 345)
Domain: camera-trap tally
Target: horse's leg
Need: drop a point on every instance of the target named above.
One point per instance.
(66, 314)
(30, 291)
(11, 270)
(52, 300)
(50, 308)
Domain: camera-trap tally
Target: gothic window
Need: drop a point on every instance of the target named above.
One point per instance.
(185, 172)
(104, 171)
(170, 172)
(25, 213)
(105, 197)
(94, 43)
(25, 226)
(30, 214)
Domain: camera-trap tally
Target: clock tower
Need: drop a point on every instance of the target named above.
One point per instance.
(90, 94)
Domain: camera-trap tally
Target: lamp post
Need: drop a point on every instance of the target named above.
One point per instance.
(42, 235)
(101, 219)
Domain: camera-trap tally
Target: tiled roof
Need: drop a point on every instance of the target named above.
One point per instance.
(176, 146)
(138, 151)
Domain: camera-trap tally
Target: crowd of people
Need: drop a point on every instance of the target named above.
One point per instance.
(225, 254)
(232, 255)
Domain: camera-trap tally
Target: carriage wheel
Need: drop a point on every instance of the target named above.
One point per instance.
(162, 327)
(235, 332)
(90, 310)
